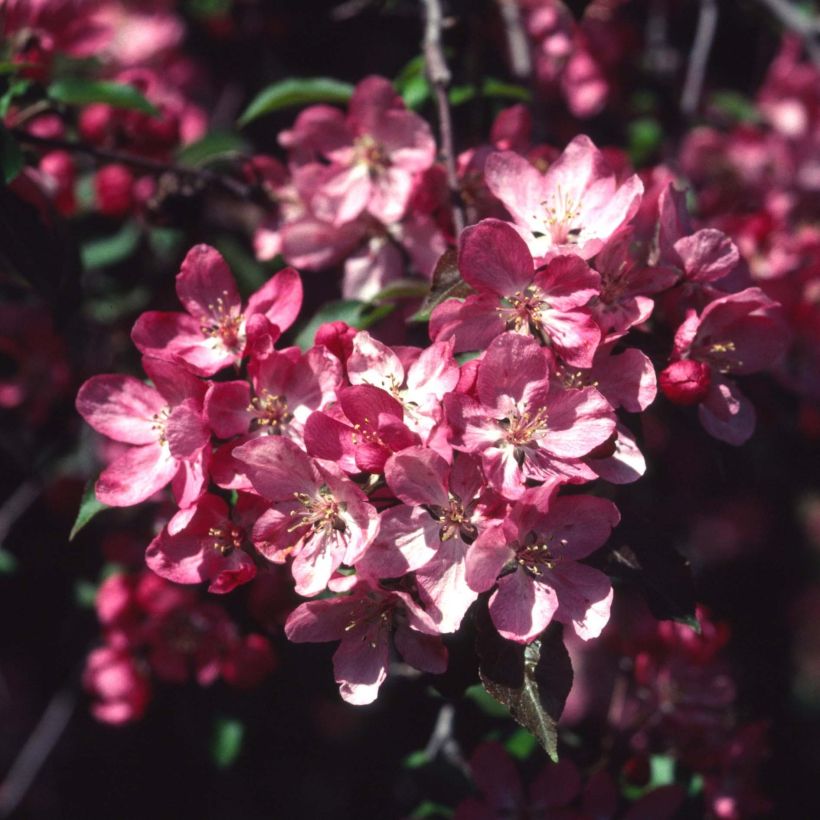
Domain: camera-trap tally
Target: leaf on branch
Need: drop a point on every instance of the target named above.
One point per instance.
(227, 742)
(412, 83)
(212, 147)
(447, 284)
(110, 250)
(89, 507)
(77, 91)
(357, 314)
(532, 681)
(665, 578)
(295, 92)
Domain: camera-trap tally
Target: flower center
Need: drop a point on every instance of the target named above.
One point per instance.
(223, 325)
(537, 556)
(454, 522)
(226, 539)
(323, 513)
(371, 153)
(270, 411)
(160, 423)
(561, 210)
(522, 428)
(523, 309)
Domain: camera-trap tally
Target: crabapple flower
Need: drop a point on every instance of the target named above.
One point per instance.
(533, 558)
(512, 295)
(363, 622)
(574, 208)
(164, 424)
(120, 689)
(202, 543)
(736, 334)
(374, 153)
(320, 518)
(443, 512)
(523, 427)
(213, 333)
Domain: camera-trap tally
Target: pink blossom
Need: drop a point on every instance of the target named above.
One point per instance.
(118, 685)
(533, 558)
(574, 208)
(320, 518)
(212, 334)
(363, 622)
(165, 426)
(512, 295)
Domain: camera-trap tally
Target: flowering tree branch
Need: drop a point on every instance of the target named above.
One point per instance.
(203, 175)
(517, 42)
(699, 56)
(439, 75)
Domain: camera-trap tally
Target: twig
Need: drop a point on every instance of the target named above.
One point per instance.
(799, 22)
(348, 9)
(439, 76)
(151, 166)
(699, 56)
(443, 742)
(518, 44)
(16, 504)
(36, 750)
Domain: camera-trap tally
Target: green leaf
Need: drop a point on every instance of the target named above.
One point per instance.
(89, 507)
(77, 91)
(415, 760)
(85, 594)
(217, 145)
(460, 94)
(447, 284)
(357, 314)
(17, 87)
(521, 745)
(288, 93)
(662, 768)
(227, 741)
(533, 681)
(110, 250)
(11, 157)
(429, 809)
(412, 83)
(486, 702)
(402, 289)
(735, 106)
(8, 563)
(507, 91)
(644, 139)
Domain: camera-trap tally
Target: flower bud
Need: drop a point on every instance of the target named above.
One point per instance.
(114, 186)
(685, 382)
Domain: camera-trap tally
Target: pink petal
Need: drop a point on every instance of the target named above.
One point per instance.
(726, 413)
(418, 475)
(493, 258)
(277, 467)
(186, 430)
(279, 299)
(522, 608)
(226, 408)
(578, 421)
(136, 475)
(585, 598)
(205, 285)
(424, 652)
(121, 407)
(514, 366)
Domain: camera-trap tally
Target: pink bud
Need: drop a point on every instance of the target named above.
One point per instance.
(685, 382)
(96, 123)
(337, 337)
(114, 186)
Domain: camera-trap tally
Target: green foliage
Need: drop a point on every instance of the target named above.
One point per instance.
(644, 135)
(212, 147)
(112, 249)
(8, 563)
(412, 83)
(429, 809)
(360, 315)
(447, 284)
(79, 91)
(288, 93)
(11, 157)
(89, 507)
(226, 742)
(415, 760)
(521, 744)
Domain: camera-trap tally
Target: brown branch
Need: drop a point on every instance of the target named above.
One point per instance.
(518, 43)
(699, 56)
(204, 175)
(439, 75)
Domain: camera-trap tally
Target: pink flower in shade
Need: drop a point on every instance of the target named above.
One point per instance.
(574, 208)
(287, 386)
(444, 509)
(374, 153)
(418, 379)
(165, 424)
(366, 427)
(521, 426)
(512, 295)
(736, 334)
(626, 287)
(533, 557)
(214, 331)
(363, 622)
(203, 543)
(121, 691)
(320, 518)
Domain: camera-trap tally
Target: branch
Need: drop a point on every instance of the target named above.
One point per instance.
(442, 740)
(36, 750)
(439, 76)
(16, 504)
(151, 166)
(800, 23)
(518, 44)
(699, 56)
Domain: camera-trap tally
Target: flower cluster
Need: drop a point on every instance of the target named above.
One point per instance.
(408, 481)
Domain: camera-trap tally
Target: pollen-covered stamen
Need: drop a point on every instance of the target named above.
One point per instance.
(561, 211)
(323, 513)
(719, 353)
(454, 521)
(226, 539)
(371, 153)
(522, 428)
(223, 324)
(539, 555)
(576, 379)
(522, 311)
(270, 411)
(366, 434)
(159, 422)
(371, 618)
